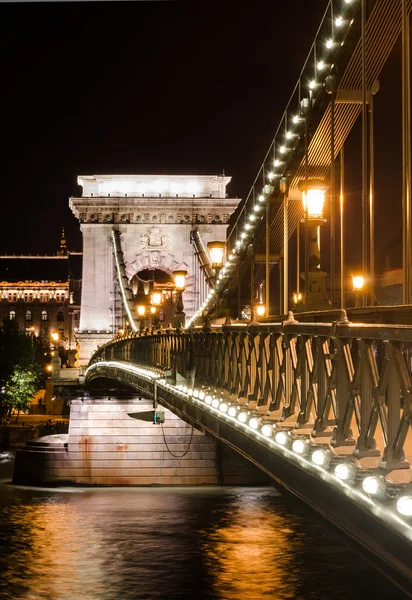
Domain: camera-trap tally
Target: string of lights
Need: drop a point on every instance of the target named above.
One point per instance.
(319, 62)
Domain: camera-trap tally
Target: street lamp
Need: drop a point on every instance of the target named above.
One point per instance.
(180, 282)
(216, 250)
(358, 282)
(313, 199)
(156, 300)
(260, 310)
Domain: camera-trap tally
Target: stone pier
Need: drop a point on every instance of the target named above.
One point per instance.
(108, 445)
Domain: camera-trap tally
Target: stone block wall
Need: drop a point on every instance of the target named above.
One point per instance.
(107, 446)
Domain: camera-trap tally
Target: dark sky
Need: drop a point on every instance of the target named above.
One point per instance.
(139, 87)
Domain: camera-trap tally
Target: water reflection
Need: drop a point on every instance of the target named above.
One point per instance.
(155, 543)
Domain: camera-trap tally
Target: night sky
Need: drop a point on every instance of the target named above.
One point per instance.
(187, 87)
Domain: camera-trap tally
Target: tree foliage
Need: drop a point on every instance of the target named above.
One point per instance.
(22, 368)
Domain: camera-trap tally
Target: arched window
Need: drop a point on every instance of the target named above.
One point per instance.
(44, 315)
(60, 317)
(28, 315)
(12, 314)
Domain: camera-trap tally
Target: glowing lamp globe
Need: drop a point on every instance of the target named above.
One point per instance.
(358, 282)
(180, 279)
(313, 197)
(216, 250)
(141, 310)
(156, 298)
(260, 310)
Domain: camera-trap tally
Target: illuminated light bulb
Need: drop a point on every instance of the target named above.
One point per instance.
(295, 119)
(261, 198)
(208, 399)
(282, 438)
(271, 176)
(370, 485)
(321, 65)
(232, 411)
(201, 395)
(348, 1)
(190, 392)
(267, 430)
(252, 217)
(242, 417)
(184, 389)
(215, 402)
(288, 135)
(231, 257)
(223, 407)
(248, 226)
(329, 43)
(339, 21)
(299, 446)
(312, 84)
(345, 472)
(404, 506)
(257, 207)
(282, 149)
(243, 235)
(253, 423)
(276, 162)
(238, 243)
(320, 458)
(179, 386)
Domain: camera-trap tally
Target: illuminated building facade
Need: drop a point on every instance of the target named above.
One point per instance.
(42, 294)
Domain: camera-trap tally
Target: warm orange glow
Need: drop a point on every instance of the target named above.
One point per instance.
(358, 282)
(156, 298)
(297, 297)
(121, 331)
(216, 250)
(260, 310)
(55, 336)
(180, 280)
(141, 310)
(313, 197)
(153, 310)
(49, 368)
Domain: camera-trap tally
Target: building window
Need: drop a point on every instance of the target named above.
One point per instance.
(12, 315)
(44, 315)
(60, 317)
(28, 315)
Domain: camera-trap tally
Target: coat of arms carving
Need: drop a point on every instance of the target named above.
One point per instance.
(155, 240)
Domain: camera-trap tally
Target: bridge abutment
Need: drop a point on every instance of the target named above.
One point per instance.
(114, 442)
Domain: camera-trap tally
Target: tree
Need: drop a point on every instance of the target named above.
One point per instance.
(22, 368)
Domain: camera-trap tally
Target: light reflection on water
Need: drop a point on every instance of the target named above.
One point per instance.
(157, 543)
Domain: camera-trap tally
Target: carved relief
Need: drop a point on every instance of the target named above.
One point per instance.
(155, 240)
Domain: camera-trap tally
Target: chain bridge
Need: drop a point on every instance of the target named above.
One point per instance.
(320, 402)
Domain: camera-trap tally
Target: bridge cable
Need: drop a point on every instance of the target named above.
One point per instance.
(168, 449)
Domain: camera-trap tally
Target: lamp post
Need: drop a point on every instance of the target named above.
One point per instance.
(216, 250)
(156, 302)
(141, 312)
(358, 282)
(55, 361)
(260, 309)
(180, 282)
(313, 199)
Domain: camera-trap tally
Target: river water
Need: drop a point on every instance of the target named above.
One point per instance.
(171, 543)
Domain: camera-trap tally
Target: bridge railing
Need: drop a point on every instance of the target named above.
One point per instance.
(351, 382)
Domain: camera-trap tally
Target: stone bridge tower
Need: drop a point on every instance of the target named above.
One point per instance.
(154, 215)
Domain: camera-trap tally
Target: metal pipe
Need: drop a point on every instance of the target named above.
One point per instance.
(332, 200)
(342, 229)
(371, 205)
(297, 258)
(267, 266)
(286, 252)
(364, 150)
(406, 154)
(306, 213)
